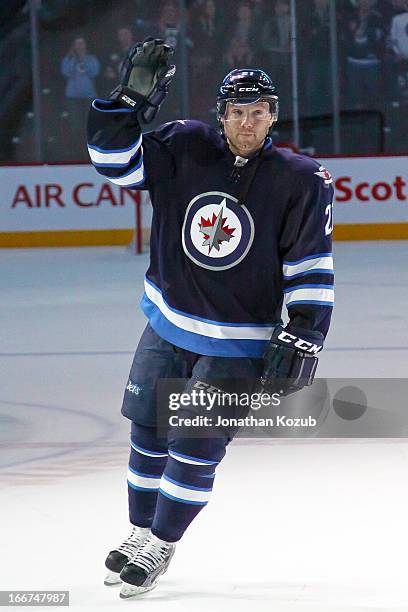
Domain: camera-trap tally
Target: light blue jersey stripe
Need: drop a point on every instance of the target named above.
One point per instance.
(198, 343)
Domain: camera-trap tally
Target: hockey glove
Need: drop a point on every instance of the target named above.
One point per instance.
(146, 76)
(289, 360)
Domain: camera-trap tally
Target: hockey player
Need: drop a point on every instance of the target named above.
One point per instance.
(238, 227)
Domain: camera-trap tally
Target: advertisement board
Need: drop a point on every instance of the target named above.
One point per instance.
(72, 205)
(371, 196)
(63, 205)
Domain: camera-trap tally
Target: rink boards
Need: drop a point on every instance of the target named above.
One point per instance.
(71, 205)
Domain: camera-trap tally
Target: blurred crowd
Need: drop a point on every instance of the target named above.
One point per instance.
(86, 59)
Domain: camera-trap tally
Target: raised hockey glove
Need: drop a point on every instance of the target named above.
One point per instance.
(146, 76)
(289, 360)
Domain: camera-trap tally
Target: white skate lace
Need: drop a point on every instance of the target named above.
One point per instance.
(132, 543)
(151, 554)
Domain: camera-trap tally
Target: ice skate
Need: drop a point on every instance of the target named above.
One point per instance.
(117, 559)
(142, 572)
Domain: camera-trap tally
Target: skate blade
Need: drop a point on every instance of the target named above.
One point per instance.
(129, 590)
(112, 579)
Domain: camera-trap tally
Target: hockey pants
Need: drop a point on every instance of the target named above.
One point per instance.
(170, 478)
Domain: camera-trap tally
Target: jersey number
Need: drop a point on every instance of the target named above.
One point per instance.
(328, 228)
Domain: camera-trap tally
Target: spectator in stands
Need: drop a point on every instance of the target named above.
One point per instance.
(364, 39)
(244, 30)
(398, 45)
(162, 21)
(237, 54)
(314, 57)
(206, 36)
(80, 70)
(168, 28)
(205, 26)
(111, 73)
(258, 8)
(275, 40)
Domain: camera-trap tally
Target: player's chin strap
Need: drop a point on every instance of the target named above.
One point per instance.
(239, 163)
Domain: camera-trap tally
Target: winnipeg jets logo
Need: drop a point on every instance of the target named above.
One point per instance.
(216, 230)
(217, 233)
(325, 175)
(133, 388)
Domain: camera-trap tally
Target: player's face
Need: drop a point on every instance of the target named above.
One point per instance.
(246, 126)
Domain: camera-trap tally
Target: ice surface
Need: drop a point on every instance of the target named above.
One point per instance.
(308, 525)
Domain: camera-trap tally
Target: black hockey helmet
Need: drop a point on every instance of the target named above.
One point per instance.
(245, 86)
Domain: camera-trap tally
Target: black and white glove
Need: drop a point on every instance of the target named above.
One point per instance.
(146, 76)
(289, 360)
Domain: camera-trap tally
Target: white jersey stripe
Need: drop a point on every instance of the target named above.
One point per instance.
(310, 294)
(135, 177)
(114, 157)
(211, 330)
(320, 263)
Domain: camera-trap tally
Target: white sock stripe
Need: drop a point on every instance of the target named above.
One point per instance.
(190, 460)
(143, 451)
(184, 493)
(144, 482)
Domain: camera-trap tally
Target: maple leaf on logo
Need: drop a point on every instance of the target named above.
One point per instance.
(216, 231)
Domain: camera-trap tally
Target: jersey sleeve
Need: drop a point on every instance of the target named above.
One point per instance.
(306, 252)
(121, 153)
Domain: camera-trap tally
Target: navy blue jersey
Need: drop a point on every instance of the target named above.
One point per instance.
(220, 271)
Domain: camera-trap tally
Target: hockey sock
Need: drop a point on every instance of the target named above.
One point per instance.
(185, 488)
(148, 457)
